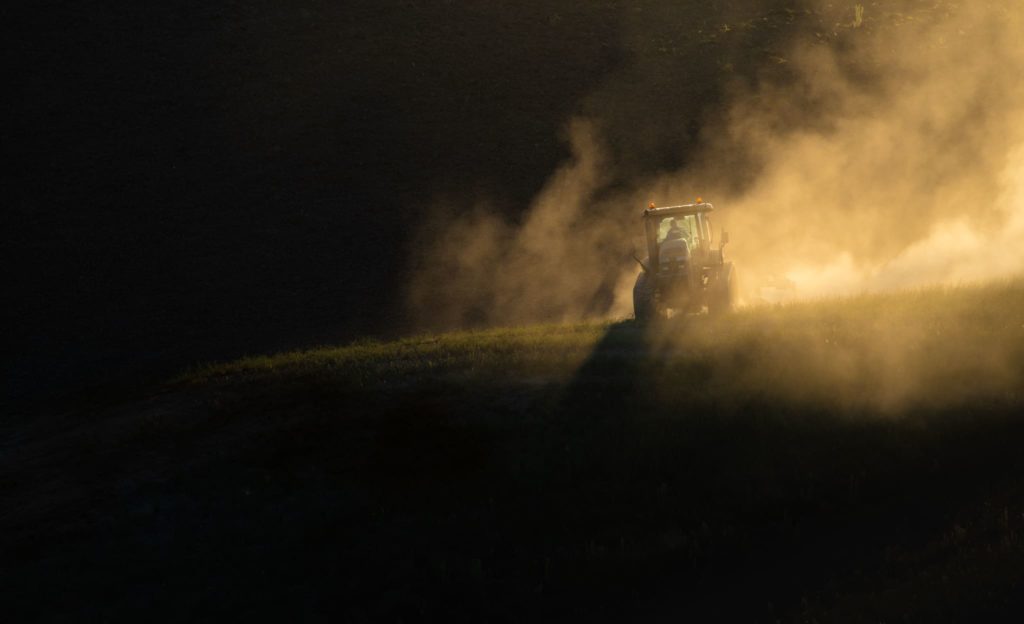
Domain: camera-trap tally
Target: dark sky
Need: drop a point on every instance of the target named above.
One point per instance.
(212, 178)
(207, 179)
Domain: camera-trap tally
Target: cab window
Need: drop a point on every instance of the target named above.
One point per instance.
(686, 224)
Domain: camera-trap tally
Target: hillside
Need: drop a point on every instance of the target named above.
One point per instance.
(841, 460)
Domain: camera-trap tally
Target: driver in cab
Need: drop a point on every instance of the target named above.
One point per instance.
(675, 249)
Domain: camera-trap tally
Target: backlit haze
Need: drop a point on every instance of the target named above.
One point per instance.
(885, 154)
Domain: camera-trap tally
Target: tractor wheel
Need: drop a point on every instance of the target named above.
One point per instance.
(644, 305)
(722, 298)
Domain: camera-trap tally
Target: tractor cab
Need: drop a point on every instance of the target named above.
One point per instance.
(683, 270)
(677, 235)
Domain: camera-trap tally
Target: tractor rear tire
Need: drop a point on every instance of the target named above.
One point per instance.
(723, 297)
(644, 304)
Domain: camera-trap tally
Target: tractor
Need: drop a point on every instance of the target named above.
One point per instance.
(683, 270)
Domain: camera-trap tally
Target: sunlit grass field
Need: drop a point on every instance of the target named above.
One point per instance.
(884, 354)
(834, 460)
(838, 459)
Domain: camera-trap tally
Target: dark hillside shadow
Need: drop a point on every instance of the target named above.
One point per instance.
(612, 374)
(711, 497)
(644, 489)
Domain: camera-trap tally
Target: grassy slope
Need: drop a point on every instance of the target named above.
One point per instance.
(854, 459)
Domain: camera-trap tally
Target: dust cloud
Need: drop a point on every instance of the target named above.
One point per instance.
(883, 152)
(559, 264)
(915, 180)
